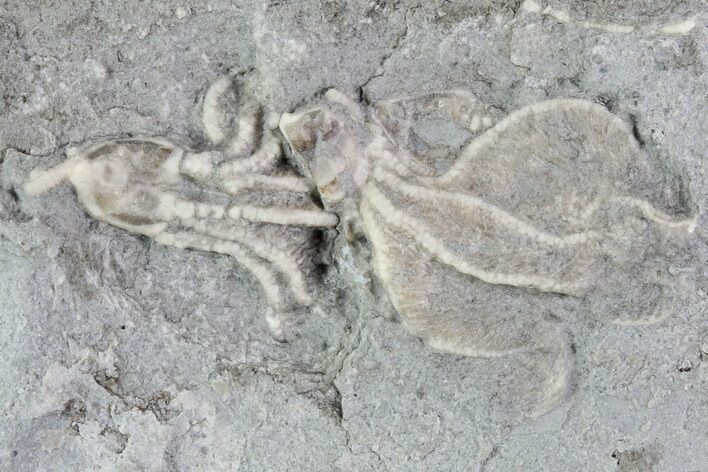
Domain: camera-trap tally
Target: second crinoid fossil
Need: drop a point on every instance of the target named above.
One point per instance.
(235, 197)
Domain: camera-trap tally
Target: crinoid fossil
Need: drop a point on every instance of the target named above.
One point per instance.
(482, 235)
(485, 236)
(227, 199)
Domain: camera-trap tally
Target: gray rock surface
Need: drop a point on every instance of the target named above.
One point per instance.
(121, 354)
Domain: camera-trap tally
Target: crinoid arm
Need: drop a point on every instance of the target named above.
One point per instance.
(540, 201)
(569, 167)
(247, 141)
(246, 150)
(218, 121)
(279, 256)
(429, 130)
(485, 242)
(263, 274)
(456, 313)
(461, 106)
(181, 198)
(545, 157)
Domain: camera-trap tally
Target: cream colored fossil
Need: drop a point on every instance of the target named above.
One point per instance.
(555, 208)
(680, 27)
(484, 235)
(227, 199)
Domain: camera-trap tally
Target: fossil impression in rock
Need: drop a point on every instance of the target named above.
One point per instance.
(482, 241)
(235, 198)
(484, 236)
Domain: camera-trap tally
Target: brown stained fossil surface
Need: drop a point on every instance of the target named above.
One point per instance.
(485, 236)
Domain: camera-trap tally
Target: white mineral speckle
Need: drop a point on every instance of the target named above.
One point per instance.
(531, 6)
(96, 69)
